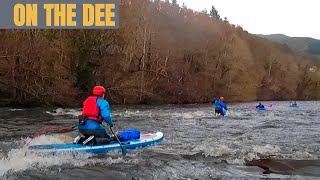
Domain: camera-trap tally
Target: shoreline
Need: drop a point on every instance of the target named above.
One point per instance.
(146, 104)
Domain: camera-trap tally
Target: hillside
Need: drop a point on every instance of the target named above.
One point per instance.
(162, 53)
(298, 44)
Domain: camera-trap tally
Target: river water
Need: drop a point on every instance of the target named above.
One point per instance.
(279, 143)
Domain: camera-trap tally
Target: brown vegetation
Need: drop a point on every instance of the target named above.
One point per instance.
(162, 53)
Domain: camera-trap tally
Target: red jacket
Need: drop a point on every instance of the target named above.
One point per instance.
(91, 110)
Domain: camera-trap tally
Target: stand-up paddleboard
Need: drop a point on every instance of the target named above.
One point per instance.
(144, 141)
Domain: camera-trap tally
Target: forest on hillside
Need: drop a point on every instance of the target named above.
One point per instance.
(162, 53)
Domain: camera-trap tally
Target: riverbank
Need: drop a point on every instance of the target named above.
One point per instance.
(9, 104)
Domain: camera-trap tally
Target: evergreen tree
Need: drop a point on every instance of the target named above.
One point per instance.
(214, 13)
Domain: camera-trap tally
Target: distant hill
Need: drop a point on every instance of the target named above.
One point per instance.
(298, 44)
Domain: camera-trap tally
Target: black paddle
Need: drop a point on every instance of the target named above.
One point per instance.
(124, 151)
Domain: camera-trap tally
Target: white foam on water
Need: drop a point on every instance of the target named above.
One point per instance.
(16, 109)
(190, 115)
(214, 150)
(300, 155)
(248, 153)
(61, 111)
(219, 150)
(128, 113)
(187, 115)
(201, 113)
(49, 139)
(237, 156)
(21, 159)
(266, 149)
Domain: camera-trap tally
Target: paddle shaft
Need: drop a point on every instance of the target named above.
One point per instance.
(122, 148)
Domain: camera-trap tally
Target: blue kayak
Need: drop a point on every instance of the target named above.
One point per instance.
(144, 141)
(294, 106)
(261, 109)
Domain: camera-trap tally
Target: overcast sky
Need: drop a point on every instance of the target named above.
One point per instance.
(299, 18)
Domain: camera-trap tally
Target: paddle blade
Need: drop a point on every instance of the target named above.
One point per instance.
(52, 129)
(124, 152)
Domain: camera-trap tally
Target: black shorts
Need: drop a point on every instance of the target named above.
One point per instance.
(96, 133)
(99, 137)
(218, 111)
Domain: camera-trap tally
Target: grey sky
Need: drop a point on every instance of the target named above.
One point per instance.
(291, 17)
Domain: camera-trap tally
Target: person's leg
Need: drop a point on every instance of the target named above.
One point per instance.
(98, 133)
(103, 133)
(91, 130)
(217, 110)
(222, 112)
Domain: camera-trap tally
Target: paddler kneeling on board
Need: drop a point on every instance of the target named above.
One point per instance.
(220, 106)
(95, 110)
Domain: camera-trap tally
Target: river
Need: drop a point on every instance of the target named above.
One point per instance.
(281, 142)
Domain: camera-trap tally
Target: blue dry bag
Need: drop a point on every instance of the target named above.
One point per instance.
(129, 134)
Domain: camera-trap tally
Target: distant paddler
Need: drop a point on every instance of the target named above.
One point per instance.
(294, 103)
(220, 107)
(261, 106)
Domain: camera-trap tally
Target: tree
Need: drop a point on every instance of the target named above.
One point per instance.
(184, 6)
(191, 60)
(214, 13)
(226, 20)
(204, 11)
(174, 1)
